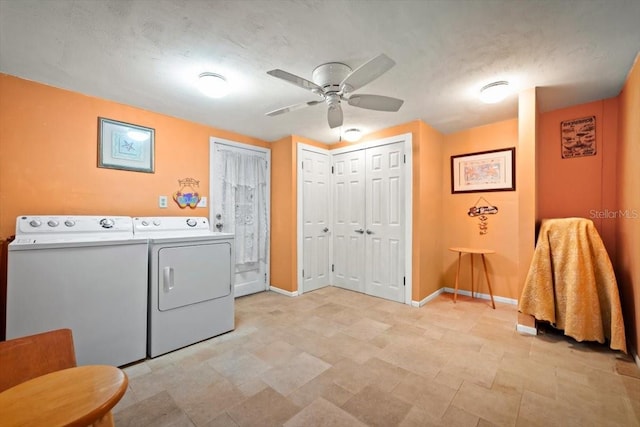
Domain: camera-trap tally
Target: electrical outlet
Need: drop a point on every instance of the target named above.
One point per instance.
(163, 202)
(202, 203)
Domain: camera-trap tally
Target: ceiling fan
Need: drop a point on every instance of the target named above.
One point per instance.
(335, 82)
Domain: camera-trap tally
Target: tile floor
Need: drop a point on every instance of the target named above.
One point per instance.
(338, 358)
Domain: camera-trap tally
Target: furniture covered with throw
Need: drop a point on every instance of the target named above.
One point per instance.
(571, 283)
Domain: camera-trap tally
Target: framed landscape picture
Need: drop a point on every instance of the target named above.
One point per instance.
(484, 171)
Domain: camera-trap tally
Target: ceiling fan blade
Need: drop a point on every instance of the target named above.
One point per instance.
(292, 108)
(335, 116)
(366, 73)
(376, 102)
(296, 80)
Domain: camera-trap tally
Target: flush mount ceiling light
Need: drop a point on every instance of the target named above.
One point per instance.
(352, 135)
(213, 85)
(494, 92)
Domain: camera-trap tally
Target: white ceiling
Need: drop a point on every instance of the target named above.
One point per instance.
(148, 53)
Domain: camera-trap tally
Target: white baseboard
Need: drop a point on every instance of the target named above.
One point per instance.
(427, 298)
(526, 330)
(637, 359)
(283, 292)
(503, 300)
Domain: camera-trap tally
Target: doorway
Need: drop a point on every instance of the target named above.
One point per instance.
(240, 191)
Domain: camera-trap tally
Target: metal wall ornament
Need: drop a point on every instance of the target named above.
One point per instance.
(187, 194)
(481, 212)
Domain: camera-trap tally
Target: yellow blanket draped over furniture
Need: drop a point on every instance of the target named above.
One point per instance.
(571, 283)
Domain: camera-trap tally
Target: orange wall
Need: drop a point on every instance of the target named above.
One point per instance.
(459, 229)
(48, 156)
(582, 186)
(628, 194)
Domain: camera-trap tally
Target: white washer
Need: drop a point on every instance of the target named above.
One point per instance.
(86, 273)
(190, 281)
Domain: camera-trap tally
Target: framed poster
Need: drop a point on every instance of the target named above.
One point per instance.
(125, 146)
(484, 171)
(578, 137)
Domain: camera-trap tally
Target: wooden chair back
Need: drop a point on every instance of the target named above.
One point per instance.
(24, 358)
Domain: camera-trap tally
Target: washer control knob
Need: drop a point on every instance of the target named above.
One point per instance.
(53, 223)
(145, 223)
(107, 223)
(35, 223)
(192, 222)
(69, 223)
(156, 222)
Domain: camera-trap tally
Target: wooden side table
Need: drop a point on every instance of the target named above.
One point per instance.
(471, 252)
(80, 396)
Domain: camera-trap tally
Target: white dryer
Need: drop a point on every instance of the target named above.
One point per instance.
(86, 273)
(190, 281)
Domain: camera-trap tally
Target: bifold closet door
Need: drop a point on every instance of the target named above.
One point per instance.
(368, 241)
(384, 218)
(348, 219)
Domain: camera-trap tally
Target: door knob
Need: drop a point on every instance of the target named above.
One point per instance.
(361, 231)
(325, 229)
(219, 226)
(369, 231)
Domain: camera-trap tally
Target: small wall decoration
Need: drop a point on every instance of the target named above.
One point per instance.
(481, 211)
(187, 195)
(578, 137)
(125, 146)
(484, 171)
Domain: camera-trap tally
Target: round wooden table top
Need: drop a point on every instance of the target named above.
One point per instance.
(473, 251)
(71, 397)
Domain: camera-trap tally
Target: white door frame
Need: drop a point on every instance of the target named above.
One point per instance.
(299, 210)
(212, 161)
(408, 200)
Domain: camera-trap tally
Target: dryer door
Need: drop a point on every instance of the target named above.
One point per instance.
(193, 273)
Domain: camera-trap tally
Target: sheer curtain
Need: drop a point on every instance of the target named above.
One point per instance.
(244, 205)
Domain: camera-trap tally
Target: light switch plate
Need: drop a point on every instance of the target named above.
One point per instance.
(163, 201)
(202, 203)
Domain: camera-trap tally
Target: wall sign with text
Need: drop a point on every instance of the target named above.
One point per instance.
(578, 137)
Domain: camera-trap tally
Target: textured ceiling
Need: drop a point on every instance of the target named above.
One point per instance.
(148, 53)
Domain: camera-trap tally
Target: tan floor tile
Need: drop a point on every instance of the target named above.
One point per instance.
(321, 386)
(456, 417)
(546, 380)
(222, 420)
(537, 410)
(265, 409)
(473, 367)
(432, 397)
(496, 406)
(158, 410)
(321, 413)
(350, 376)
(208, 403)
(238, 365)
(277, 352)
(418, 418)
(300, 370)
(366, 329)
(377, 408)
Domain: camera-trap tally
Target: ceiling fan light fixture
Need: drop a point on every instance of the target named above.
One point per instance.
(213, 85)
(494, 92)
(352, 135)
